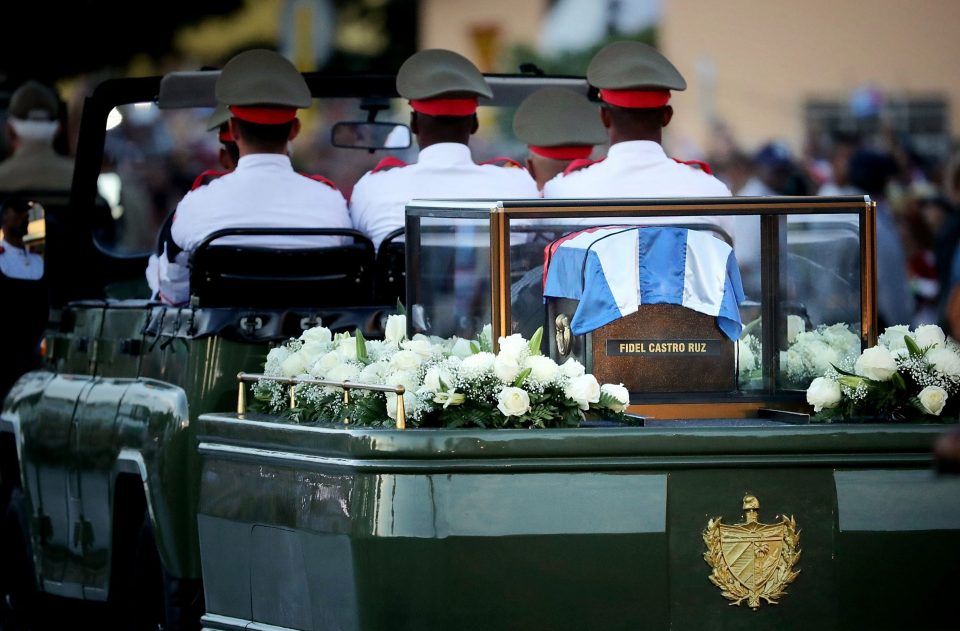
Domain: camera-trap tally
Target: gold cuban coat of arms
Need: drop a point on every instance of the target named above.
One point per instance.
(752, 561)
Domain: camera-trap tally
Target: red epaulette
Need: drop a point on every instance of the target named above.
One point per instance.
(388, 163)
(503, 161)
(703, 166)
(206, 177)
(321, 179)
(580, 163)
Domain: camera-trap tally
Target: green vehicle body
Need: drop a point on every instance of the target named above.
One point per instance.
(590, 528)
(117, 409)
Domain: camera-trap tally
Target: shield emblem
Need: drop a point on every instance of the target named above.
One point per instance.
(751, 561)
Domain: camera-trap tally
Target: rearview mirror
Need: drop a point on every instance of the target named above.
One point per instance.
(360, 135)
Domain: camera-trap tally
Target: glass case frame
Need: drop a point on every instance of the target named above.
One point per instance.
(773, 213)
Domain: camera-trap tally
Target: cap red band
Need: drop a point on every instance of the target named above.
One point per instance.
(225, 135)
(445, 107)
(264, 115)
(636, 98)
(572, 152)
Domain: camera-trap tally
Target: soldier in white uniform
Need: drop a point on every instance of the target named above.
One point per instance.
(443, 89)
(559, 127)
(635, 83)
(263, 92)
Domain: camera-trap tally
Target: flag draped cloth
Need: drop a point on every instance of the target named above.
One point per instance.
(611, 270)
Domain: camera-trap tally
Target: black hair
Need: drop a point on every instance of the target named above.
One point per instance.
(264, 137)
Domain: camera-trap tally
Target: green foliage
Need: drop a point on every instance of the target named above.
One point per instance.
(400, 308)
(535, 341)
(362, 356)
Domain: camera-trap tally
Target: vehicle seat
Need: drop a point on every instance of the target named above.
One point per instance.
(248, 276)
(391, 281)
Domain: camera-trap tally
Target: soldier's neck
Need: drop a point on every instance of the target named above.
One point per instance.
(626, 136)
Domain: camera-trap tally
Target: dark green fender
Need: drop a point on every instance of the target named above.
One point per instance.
(326, 528)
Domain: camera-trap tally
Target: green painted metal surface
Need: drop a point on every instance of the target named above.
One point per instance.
(328, 528)
(116, 402)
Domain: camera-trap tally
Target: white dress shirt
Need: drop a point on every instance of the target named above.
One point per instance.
(262, 192)
(635, 169)
(445, 171)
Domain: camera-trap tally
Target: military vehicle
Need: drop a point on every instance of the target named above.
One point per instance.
(131, 476)
(99, 468)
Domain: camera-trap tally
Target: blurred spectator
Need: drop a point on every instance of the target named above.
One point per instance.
(839, 183)
(24, 313)
(774, 174)
(31, 127)
(870, 172)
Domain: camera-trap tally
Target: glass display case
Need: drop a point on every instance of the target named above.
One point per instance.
(735, 304)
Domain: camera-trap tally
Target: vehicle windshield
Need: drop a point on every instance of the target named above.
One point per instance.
(153, 155)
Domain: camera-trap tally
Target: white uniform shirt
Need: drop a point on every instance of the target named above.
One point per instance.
(444, 170)
(635, 169)
(18, 263)
(262, 192)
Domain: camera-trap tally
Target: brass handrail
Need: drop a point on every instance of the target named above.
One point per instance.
(246, 377)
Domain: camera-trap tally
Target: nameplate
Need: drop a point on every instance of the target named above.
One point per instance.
(673, 348)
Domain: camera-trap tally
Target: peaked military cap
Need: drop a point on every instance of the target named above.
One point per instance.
(34, 101)
(559, 123)
(218, 121)
(633, 74)
(262, 86)
(441, 83)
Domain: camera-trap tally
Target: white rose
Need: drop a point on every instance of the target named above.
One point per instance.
(513, 401)
(945, 361)
(933, 398)
(347, 349)
(795, 326)
(514, 347)
(823, 393)
(461, 348)
(422, 347)
(571, 368)
(876, 363)
(929, 335)
(319, 334)
(506, 368)
(434, 380)
(478, 364)
(392, 405)
(405, 378)
(584, 390)
(487, 333)
(274, 358)
(405, 360)
(542, 368)
(294, 365)
(618, 392)
(373, 373)
(325, 364)
(344, 372)
(746, 360)
(312, 351)
(396, 329)
(892, 336)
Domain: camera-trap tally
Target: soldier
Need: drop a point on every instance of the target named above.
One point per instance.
(559, 127)
(443, 89)
(219, 122)
(32, 124)
(263, 92)
(635, 83)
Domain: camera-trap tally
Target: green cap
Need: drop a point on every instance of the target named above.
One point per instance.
(632, 65)
(262, 78)
(219, 116)
(34, 101)
(435, 73)
(557, 117)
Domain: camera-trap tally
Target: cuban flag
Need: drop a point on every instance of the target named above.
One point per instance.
(611, 270)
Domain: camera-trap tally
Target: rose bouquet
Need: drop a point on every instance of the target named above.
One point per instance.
(448, 382)
(907, 376)
(813, 353)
